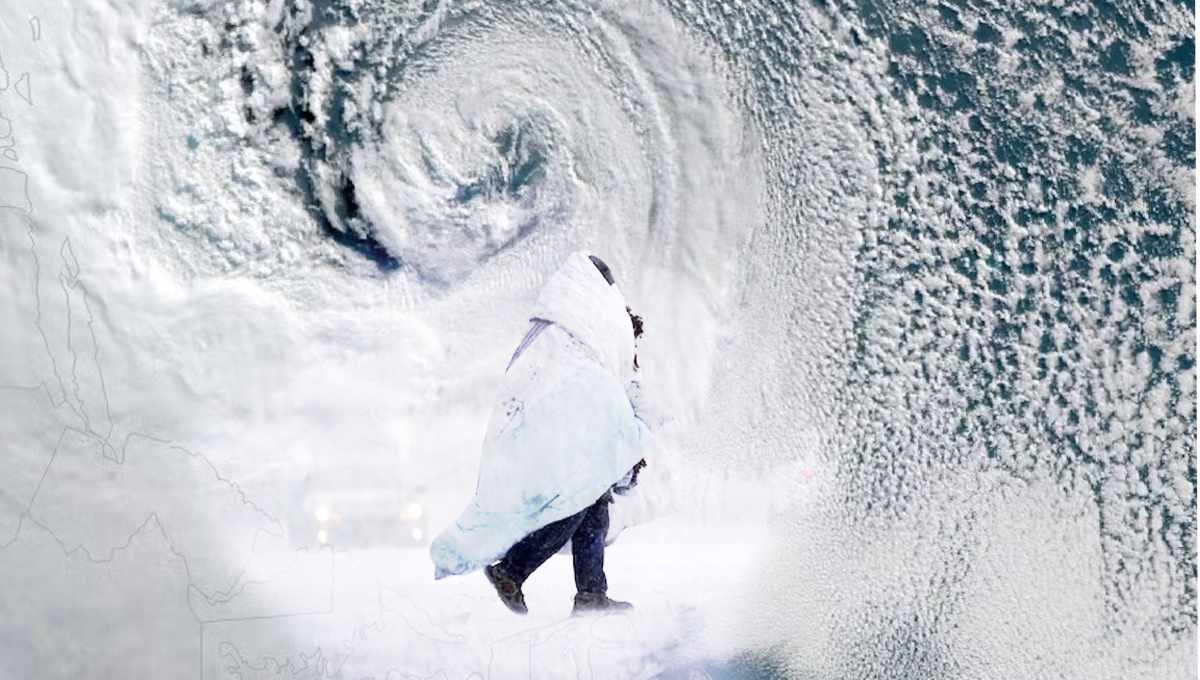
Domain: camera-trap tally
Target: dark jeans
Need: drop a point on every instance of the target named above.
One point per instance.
(585, 530)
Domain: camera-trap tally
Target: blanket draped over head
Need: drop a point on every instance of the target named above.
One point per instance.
(563, 429)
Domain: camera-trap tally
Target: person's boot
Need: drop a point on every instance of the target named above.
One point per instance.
(507, 588)
(586, 602)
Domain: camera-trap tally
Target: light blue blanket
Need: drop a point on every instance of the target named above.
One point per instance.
(563, 429)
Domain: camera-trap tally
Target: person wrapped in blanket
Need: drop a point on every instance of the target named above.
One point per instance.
(563, 438)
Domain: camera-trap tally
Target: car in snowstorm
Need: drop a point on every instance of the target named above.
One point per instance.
(358, 506)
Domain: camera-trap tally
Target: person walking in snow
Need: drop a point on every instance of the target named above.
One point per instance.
(563, 437)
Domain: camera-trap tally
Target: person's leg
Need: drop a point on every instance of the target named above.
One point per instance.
(587, 548)
(532, 551)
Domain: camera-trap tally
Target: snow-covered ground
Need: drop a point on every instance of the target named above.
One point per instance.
(387, 620)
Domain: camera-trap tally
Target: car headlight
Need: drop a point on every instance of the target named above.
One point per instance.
(417, 533)
(322, 537)
(412, 511)
(322, 514)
